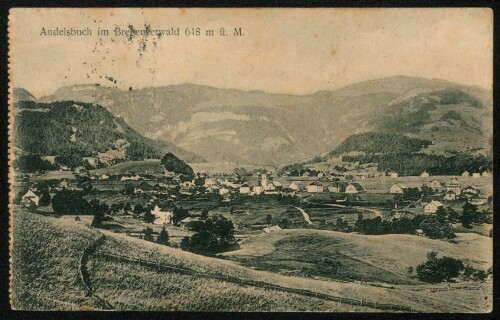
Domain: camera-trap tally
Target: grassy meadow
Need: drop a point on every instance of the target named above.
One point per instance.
(45, 258)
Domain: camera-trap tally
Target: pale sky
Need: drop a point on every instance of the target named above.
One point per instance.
(294, 51)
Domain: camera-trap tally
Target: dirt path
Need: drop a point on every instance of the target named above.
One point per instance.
(84, 276)
(304, 214)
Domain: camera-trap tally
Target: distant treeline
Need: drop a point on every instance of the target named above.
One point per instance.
(380, 143)
(411, 164)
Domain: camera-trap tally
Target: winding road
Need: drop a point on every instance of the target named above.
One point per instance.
(304, 214)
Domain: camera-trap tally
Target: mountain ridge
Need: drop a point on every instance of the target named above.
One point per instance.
(256, 127)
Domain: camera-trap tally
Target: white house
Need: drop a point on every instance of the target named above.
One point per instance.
(393, 174)
(477, 200)
(245, 188)
(315, 187)
(161, 217)
(476, 175)
(31, 196)
(258, 190)
(424, 174)
(209, 183)
(104, 177)
(486, 174)
(353, 188)
(296, 186)
(454, 185)
(434, 185)
(223, 191)
(333, 188)
(465, 174)
(397, 188)
(471, 190)
(450, 196)
(432, 206)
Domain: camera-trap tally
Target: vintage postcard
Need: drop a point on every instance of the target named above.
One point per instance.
(324, 160)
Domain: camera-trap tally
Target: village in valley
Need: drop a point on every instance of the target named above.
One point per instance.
(387, 195)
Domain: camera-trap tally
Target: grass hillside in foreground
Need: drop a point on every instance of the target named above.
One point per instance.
(129, 286)
(45, 263)
(107, 284)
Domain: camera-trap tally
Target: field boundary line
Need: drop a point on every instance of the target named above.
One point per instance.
(319, 295)
(84, 274)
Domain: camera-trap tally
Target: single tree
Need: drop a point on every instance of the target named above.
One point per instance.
(204, 214)
(148, 216)
(468, 214)
(163, 238)
(148, 234)
(269, 218)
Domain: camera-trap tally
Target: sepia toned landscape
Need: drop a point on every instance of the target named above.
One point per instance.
(373, 196)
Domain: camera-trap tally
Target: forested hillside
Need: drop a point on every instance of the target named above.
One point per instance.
(82, 129)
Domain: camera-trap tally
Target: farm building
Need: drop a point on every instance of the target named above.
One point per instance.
(315, 187)
(258, 190)
(393, 174)
(161, 217)
(223, 191)
(30, 196)
(450, 196)
(334, 188)
(476, 175)
(397, 188)
(465, 174)
(353, 187)
(434, 185)
(246, 188)
(471, 190)
(425, 174)
(477, 200)
(296, 186)
(432, 206)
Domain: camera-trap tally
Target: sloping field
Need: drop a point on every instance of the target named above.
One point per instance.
(45, 259)
(128, 285)
(118, 244)
(393, 253)
(138, 167)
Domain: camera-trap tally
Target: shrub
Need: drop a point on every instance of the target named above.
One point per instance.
(436, 270)
(212, 235)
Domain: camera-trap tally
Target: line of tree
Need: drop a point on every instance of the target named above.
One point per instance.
(434, 226)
